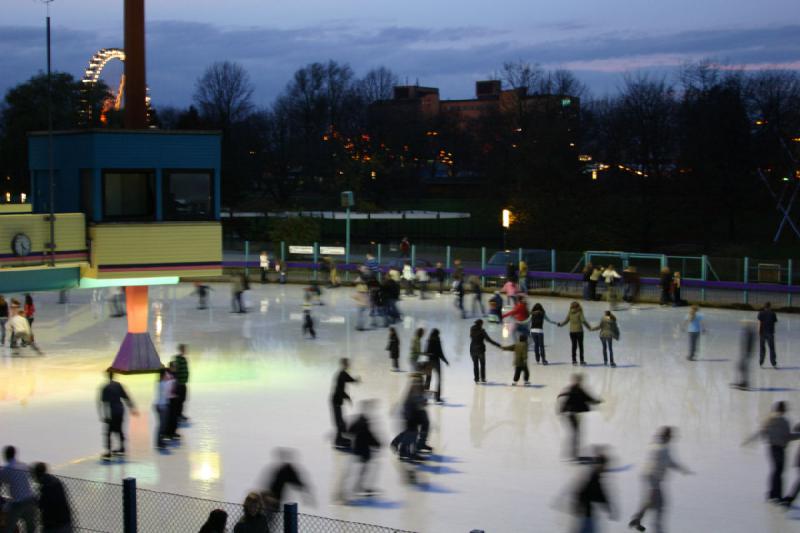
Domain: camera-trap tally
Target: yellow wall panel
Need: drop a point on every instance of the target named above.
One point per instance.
(70, 233)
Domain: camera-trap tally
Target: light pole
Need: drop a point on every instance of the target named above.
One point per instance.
(347, 202)
(52, 182)
(506, 225)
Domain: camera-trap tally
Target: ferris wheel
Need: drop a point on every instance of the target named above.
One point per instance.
(92, 75)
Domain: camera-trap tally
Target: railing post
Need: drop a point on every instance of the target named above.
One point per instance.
(447, 260)
(483, 265)
(129, 505)
(789, 283)
(703, 276)
(290, 518)
(664, 261)
(413, 256)
(380, 274)
(553, 269)
(519, 255)
(246, 256)
(315, 261)
(745, 294)
(283, 253)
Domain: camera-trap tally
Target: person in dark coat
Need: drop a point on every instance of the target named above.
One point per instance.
(477, 350)
(364, 442)
(253, 519)
(766, 334)
(666, 286)
(308, 324)
(439, 276)
(743, 365)
(436, 355)
(576, 401)
(459, 301)
(477, 299)
(56, 516)
(112, 412)
(338, 397)
(790, 498)
(284, 474)
(592, 492)
(217, 520)
(413, 440)
(394, 349)
(538, 318)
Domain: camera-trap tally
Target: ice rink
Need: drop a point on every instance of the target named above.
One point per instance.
(257, 384)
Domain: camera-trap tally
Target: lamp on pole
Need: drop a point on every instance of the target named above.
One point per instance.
(507, 219)
(347, 202)
(52, 182)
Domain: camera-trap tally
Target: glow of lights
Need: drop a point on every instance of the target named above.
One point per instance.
(22, 197)
(594, 174)
(584, 157)
(796, 139)
(505, 332)
(159, 324)
(205, 466)
(93, 283)
(506, 218)
(8, 197)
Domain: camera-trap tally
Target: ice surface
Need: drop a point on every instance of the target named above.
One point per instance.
(499, 466)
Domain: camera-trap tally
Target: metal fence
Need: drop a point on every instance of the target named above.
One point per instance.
(101, 507)
(746, 281)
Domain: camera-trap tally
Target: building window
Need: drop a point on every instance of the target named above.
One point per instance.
(189, 195)
(129, 195)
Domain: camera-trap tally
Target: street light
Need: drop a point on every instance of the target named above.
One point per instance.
(507, 220)
(52, 184)
(347, 202)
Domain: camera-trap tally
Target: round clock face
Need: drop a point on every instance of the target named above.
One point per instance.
(21, 244)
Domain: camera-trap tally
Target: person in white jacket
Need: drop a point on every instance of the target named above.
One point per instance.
(408, 279)
(18, 329)
(659, 462)
(612, 277)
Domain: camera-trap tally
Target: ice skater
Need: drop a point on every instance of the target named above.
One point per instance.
(611, 277)
(181, 381)
(477, 350)
(520, 315)
(282, 475)
(748, 340)
(458, 289)
(423, 278)
(591, 492)
(201, 291)
(609, 332)
(3, 319)
(308, 324)
(18, 331)
(393, 347)
(338, 397)
(439, 275)
(520, 349)
(415, 350)
(575, 402)
(477, 298)
(364, 444)
(436, 355)
(538, 318)
(111, 407)
(694, 327)
(413, 439)
(790, 498)
(766, 335)
(165, 387)
(777, 433)
(576, 322)
(495, 308)
(659, 463)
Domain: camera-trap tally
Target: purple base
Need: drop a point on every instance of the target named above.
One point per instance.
(136, 354)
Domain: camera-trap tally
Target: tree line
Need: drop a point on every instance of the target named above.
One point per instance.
(662, 163)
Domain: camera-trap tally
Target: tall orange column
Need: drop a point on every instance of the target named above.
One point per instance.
(137, 352)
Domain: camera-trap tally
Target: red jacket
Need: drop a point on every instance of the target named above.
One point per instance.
(519, 312)
(29, 310)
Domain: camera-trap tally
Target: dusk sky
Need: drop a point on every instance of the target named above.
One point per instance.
(448, 45)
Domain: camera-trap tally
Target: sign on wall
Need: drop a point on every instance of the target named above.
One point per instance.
(331, 250)
(295, 249)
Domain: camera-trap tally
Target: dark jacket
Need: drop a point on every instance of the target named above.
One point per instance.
(434, 351)
(393, 347)
(252, 524)
(363, 438)
(576, 400)
(538, 317)
(477, 339)
(53, 503)
(339, 393)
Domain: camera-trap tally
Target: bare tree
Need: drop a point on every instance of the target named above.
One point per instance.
(377, 84)
(223, 93)
(561, 82)
(521, 75)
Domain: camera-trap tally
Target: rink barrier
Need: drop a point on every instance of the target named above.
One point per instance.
(103, 507)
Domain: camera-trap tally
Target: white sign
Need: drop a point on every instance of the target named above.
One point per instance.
(301, 249)
(331, 250)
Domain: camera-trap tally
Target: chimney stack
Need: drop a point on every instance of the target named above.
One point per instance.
(135, 81)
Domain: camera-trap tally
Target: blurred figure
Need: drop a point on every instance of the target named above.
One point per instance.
(748, 341)
(313, 294)
(477, 298)
(238, 286)
(18, 330)
(510, 288)
(520, 315)
(338, 397)
(776, 432)
(201, 291)
(181, 381)
(792, 496)
(361, 296)
(694, 327)
(56, 516)
(15, 481)
(333, 275)
(766, 334)
(458, 288)
(434, 351)
(408, 278)
(284, 474)
(253, 519)
(164, 393)
(576, 401)
(666, 286)
(594, 278)
(609, 332)
(364, 442)
(477, 350)
(677, 301)
(393, 347)
(3, 319)
(118, 303)
(217, 520)
(538, 318)
(632, 282)
(576, 322)
(112, 412)
(591, 492)
(458, 270)
(405, 247)
(372, 265)
(659, 462)
(413, 439)
(29, 310)
(422, 282)
(263, 265)
(439, 276)
(415, 349)
(611, 277)
(308, 324)
(587, 276)
(523, 277)
(520, 349)
(495, 308)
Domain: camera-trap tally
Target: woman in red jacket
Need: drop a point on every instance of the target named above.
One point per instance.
(520, 314)
(29, 309)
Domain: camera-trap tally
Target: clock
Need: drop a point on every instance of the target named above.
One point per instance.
(21, 244)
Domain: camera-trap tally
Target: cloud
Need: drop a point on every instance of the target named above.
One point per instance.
(452, 58)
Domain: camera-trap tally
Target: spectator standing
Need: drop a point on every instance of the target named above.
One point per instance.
(16, 478)
(56, 516)
(405, 247)
(766, 334)
(3, 319)
(181, 381)
(263, 264)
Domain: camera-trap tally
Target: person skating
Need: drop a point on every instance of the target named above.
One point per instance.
(422, 282)
(576, 322)
(766, 335)
(477, 296)
(666, 286)
(594, 279)
(609, 332)
(408, 278)
(777, 433)
(439, 275)
(590, 493)
(393, 348)
(282, 475)
(364, 442)
(413, 439)
(181, 381)
(29, 310)
(15, 478)
(361, 297)
(3, 319)
(659, 463)
(165, 387)
(111, 406)
(415, 349)
(520, 349)
(477, 350)
(495, 308)
(308, 324)
(611, 278)
(747, 343)
(338, 397)
(538, 318)
(523, 277)
(790, 498)
(575, 402)
(201, 291)
(263, 265)
(436, 355)
(520, 315)
(458, 288)
(510, 290)
(54, 508)
(18, 330)
(694, 327)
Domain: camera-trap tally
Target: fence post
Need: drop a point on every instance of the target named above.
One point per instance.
(315, 260)
(745, 295)
(380, 250)
(483, 265)
(789, 283)
(447, 260)
(283, 253)
(553, 269)
(129, 505)
(703, 276)
(413, 255)
(664, 261)
(246, 256)
(289, 518)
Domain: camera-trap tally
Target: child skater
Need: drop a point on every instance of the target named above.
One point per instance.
(394, 349)
(308, 324)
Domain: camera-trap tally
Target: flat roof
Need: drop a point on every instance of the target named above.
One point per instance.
(148, 131)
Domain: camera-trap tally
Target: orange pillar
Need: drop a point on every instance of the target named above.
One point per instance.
(137, 352)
